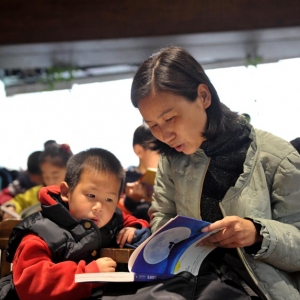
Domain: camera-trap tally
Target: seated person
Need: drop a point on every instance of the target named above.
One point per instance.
(137, 198)
(78, 217)
(53, 162)
(25, 180)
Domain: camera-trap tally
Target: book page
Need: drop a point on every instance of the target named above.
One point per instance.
(173, 248)
(140, 247)
(192, 258)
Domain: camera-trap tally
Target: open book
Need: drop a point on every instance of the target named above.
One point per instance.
(170, 250)
(149, 176)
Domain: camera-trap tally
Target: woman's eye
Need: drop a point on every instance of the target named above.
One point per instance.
(153, 126)
(91, 195)
(108, 200)
(170, 119)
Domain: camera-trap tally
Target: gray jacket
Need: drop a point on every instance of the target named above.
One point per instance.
(268, 192)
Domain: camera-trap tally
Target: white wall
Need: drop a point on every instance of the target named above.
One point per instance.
(270, 93)
(94, 115)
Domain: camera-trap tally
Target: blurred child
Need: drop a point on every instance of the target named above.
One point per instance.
(138, 198)
(77, 219)
(53, 162)
(25, 180)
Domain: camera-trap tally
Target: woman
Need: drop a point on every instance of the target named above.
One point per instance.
(215, 166)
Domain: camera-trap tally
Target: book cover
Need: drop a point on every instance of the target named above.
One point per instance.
(170, 250)
(149, 177)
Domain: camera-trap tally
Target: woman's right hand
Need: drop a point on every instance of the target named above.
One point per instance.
(106, 264)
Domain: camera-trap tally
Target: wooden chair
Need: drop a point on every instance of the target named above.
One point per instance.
(6, 227)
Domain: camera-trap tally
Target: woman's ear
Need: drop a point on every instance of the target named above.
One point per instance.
(204, 94)
(64, 191)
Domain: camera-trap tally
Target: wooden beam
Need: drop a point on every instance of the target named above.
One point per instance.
(36, 21)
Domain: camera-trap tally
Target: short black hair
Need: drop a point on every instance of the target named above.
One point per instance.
(33, 166)
(173, 70)
(49, 142)
(142, 136)
(97, 159)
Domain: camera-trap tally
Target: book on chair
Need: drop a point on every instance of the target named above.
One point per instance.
(170, 250)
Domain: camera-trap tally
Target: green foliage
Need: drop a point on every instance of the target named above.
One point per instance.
(253, 61)
(57, 74)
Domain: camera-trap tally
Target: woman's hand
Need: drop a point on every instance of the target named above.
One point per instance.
(106, 264)
(236, 232)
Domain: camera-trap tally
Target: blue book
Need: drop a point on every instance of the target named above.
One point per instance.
(170, 250)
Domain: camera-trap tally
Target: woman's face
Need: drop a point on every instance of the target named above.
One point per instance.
(176, 121)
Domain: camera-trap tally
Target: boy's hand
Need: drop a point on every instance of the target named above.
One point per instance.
(125, 235)
(106, 264)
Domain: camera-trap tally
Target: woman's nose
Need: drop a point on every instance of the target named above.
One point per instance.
(167, 135)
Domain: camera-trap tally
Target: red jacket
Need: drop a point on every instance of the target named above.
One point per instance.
(37, 277)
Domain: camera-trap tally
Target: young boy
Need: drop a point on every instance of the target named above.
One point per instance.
(78, 218)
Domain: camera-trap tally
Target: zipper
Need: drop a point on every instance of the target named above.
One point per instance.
(201, 189)
(248, 268)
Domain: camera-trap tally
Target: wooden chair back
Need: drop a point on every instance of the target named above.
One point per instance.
(119, 255)
(6, 227)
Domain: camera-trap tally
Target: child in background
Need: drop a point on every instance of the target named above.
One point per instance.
(77, 219)
(137, 198)
(53, 162)
(25, 180)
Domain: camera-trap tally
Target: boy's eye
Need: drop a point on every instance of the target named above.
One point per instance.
(108, 200)
(153, 126)
(91, 195)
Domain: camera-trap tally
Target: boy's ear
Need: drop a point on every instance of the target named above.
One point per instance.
(64, 191)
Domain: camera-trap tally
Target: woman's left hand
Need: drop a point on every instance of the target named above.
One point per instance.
(236, 232)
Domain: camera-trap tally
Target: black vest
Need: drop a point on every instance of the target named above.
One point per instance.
(67, 238)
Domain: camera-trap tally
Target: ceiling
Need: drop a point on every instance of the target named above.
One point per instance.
(52, 44)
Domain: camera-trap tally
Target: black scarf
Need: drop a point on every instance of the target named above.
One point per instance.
(227, 154)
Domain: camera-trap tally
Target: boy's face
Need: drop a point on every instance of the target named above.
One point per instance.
(95, 197)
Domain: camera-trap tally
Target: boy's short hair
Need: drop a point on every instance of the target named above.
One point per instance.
(142, 136)
(97, 159)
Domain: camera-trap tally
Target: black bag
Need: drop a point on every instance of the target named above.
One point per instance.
(7, 288)
(180, 287)
(208, 285)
